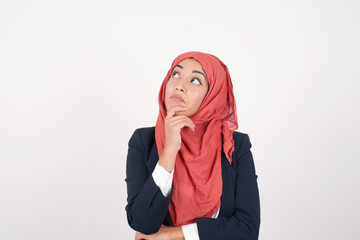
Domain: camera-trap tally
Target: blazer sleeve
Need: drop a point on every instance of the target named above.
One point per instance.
(146, 205)
(245, 220)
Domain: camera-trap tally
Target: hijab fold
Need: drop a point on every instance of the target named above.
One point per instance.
(197, 180)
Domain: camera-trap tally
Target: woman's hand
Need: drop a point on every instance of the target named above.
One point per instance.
(164, 233)
(173, 126)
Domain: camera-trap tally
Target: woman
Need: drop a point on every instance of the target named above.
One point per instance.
(191, 176)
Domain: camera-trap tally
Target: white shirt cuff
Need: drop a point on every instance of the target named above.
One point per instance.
(190, 231)
(163, 179)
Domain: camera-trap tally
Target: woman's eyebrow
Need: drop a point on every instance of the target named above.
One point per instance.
(196, 71)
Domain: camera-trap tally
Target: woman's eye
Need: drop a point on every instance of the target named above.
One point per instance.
(175, 74)
(196, 81)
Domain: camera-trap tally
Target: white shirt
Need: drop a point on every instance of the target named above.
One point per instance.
(163, 180)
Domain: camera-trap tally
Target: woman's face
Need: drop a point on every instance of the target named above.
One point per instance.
(186, 87)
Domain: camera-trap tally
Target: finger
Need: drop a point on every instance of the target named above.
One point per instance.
(182, 123)
(178, 124)
(175, 109)
(139, 236)
(177, 118)
(173, 122)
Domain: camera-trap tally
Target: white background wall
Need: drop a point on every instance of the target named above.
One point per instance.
(78, 77)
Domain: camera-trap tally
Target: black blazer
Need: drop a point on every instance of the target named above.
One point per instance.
(147, 208)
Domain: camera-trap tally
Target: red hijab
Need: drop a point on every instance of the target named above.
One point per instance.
(197, 182)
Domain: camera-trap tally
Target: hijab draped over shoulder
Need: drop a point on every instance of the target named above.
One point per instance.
(197, 181)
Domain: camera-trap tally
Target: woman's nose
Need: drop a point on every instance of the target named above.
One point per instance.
(180, 88)
(180, 85)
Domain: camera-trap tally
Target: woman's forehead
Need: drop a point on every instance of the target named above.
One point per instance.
(190, 62)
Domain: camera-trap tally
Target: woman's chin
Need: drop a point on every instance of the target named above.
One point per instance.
(175, 104)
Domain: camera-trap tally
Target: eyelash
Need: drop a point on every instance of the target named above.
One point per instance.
(196, 79)
(175, 72)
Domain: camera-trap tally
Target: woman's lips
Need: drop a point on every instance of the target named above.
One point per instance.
(177, 98)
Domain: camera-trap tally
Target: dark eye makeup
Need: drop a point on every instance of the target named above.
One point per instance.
(174, 73)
